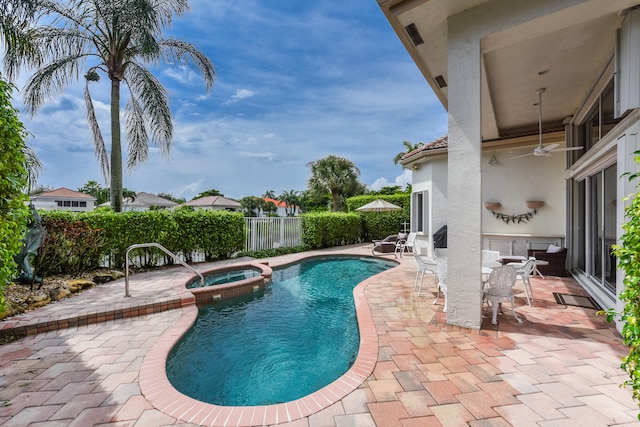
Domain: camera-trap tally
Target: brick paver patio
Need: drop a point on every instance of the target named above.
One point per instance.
(560, 367)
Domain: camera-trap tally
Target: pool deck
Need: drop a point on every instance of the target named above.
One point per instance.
(98, 360)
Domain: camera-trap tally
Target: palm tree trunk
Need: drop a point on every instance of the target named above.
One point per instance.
(336, 200)
(116, 148)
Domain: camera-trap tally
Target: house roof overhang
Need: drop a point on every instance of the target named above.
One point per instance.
(562, 45)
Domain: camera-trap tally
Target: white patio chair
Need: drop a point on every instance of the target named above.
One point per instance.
(523, 272)
(498, 287)
(425, 265)
(440, 258)
(406, 243)
(490, 258)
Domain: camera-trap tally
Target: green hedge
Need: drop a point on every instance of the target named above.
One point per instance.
(327, 229)
(378, 225)
(77, 241)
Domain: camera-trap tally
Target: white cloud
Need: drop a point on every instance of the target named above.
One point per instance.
(400, 180)
(240, 94)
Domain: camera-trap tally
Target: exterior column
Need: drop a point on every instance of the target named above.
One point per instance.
(464, 293)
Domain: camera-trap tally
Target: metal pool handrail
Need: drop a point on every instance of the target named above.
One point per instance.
(155, 245)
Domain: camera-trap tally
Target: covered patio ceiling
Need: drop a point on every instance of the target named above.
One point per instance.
(565, 52)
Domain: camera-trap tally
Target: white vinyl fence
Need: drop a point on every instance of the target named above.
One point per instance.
(273, 232)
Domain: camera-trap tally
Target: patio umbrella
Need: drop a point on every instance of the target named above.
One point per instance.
(379, 205)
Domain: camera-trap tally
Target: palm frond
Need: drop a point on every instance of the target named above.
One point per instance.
(180, 52)
(33, 166)
(98, 142)
(136, 134)
(152, 96)
(50, 81)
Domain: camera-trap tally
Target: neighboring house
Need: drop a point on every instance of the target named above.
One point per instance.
(282, 207)
(490, 62)
(64, 199)
(143, 202)
(214, 203)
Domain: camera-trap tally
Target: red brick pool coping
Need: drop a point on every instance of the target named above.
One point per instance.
(159, 392)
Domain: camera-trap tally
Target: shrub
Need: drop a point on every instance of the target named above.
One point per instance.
(69, 246)
(322, 230)
(13, 211)
(628, 254)
(378, 225)
(76, 242)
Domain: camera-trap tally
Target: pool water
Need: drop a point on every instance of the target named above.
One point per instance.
(297, 337)
(225, 277)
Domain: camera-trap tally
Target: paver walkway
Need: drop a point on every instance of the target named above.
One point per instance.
(558, 368)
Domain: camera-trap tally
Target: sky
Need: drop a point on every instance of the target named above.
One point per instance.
(296, 81)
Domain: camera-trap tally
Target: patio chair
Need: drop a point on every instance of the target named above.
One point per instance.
(490, 258)
(498, 287)
(407, 244)
(425, 265)
(440, 258)
(523, 272)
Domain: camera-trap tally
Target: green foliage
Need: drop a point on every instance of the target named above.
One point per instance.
(207, 193)
(14, 213)
(335, 175)
(70, 246)
(267, 253)
(628, 254)
(408, 147)
(78, 241)
(168, 196)
(323, 230)
(94, 189)
(378, 225)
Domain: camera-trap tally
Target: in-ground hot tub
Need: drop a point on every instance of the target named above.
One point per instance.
(230, 281)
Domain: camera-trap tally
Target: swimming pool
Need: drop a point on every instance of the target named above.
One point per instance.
(284, 343)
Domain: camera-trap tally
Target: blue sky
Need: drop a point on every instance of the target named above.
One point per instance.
(296, 81)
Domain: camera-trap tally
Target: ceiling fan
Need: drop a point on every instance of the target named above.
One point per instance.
(541, 150)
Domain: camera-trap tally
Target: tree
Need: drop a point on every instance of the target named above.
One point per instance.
(389, 190)
(208, 193)
(167, 196)
(270, 194)
(94, 189)
(292, 200)
(119, 39)
(102, 194)
(268, 207)
(335, 175)
(409, 147)
(13, 183)
(250, 205)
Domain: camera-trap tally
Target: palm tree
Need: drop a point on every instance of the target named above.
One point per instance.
(291, 199)
(270, 194)
(409, 147)
(118, 39)
(335, 175)
(250, 205)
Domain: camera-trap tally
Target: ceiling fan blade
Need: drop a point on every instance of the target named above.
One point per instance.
(550, 147)
(566, 149)
(522, 155)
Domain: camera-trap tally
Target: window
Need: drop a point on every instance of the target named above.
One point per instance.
(59, 202)
(419, 220)
(83, 204)
(596, 232)
(74, 204)
(67, 203)
(598, 122)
